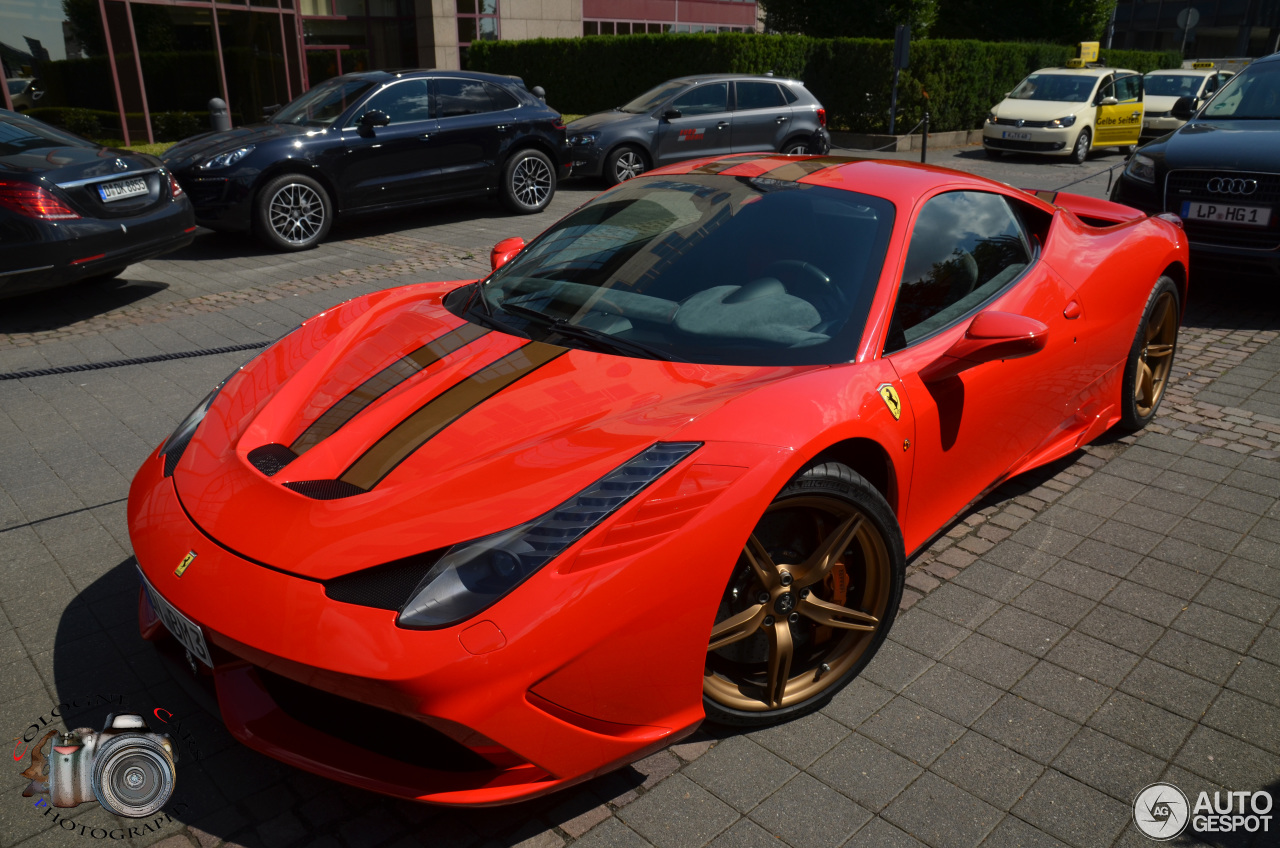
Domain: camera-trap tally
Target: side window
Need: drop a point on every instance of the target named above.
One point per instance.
(788, 93)
(456, 97)
(758, 95)
(404, 101)
(1129, 89)
(703, 99)
(1105, 90)
(966, 247)
(500, 97)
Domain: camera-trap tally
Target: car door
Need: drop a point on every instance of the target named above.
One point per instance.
(703, 128)
(761, 116)
(469, 135)
(968, 254)
(1119, 123)
(388, 164)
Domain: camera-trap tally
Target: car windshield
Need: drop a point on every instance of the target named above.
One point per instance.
(19, 136)
(322, 105)
(700, 268)
(1069, 88)
(1172, 85)
(1252, 94)
(649, 101)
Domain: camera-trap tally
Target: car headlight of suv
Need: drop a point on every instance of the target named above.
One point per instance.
(991, 117)
(1141, 168)
(472, 576)
(584, 139)
(226, 160)
(1061, 123)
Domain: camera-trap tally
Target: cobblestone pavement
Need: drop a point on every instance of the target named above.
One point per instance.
(1086, 629)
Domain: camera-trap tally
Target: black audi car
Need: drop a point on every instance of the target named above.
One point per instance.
(73, 210)
(374, 141)
(1220, 172)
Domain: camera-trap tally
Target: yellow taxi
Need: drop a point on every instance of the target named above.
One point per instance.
(1163, 88)
(1067, 112)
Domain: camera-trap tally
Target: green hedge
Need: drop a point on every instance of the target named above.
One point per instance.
(101, 124)
(851, 76)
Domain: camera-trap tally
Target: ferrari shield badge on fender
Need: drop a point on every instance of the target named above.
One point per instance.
(186, 562)
(890, 396)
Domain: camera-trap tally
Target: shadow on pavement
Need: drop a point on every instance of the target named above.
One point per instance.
(60, 307)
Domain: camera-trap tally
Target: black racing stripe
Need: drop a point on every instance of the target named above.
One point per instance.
(718, 166)
(362, 396)
(450, 405)
(1047, 196)
(802, 168)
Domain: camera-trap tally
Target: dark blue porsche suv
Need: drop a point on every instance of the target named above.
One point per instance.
(374, 141)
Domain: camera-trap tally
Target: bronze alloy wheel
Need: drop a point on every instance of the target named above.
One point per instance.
(1156, 359)
(810, 599)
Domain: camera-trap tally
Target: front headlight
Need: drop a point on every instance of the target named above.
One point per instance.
(1060, 123)
(226, 160)
(472, 576)
(584, 139)
(1141, 168)
(991, 117)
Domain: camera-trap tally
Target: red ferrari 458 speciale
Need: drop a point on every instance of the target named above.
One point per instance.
(472, 542)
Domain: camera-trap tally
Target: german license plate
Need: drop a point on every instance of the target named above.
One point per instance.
(186, 631)
(1248, 216)
(1016, 136)
(122, 189)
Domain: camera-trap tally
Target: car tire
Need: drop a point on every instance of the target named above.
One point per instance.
(1150, 361)
(1080, 150)
(625, 163)
(992, 153)
(528, 181)
(292, 212)
(795, 147)
(833, 629)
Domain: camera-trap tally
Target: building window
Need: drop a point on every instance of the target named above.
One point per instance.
(477, 21)
(640, 27)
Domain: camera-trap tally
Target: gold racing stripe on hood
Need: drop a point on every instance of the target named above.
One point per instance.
(799, 170)
(363, 395)
(447, 407)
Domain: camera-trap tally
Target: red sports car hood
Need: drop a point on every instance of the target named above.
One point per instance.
(413, 430)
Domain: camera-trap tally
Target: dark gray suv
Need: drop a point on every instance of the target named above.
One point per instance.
(705, 115)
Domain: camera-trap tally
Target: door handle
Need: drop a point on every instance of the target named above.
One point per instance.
(1135, 114)
(1073, 311)
(425, 136)
(501, 127)
(722, 125)
(783, 119)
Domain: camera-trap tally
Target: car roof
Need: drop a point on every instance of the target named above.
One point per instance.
(727, 77)
(397, 73)
(1186, 72)
(1085, 72)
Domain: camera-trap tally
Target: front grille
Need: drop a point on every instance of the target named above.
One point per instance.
(325, 490)
(1010, 144)
(1184, 186)
(1014, 122)
(271, 459)
(392, 735)
(385, 587)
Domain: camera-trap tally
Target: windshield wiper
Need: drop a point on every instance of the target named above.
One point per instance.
(599, 338)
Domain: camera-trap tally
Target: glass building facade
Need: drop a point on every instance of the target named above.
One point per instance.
(1201, 29)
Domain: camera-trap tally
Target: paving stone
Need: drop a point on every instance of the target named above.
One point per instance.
(1066, 608)
(959, 605)
(857, 702)
(1166, 687)
(989, 661)
(1071, 811)
(1209, 624)
(894, 666)
(612, 833)
(678, 813)
(1022, 630)
(838, 820)
(1267, 646)
(802, 740)
(1027, 728)
(1144, 726)
(1238, 601)
(942, 815)
(952, 693)
(745, 834)
(987, 769)
(993, 581)
(914, 732)
(1226, 760)
(865, 771)
(1092, 658)
(1108, 765)
(1144, 602)
(1251, 575)
(879, 832)
(928, 634)
(1173, 580)
(1021, 559)
(1064, 692)
(1118, 628)
(1195, 656)
(1247, 719)
(740, 772)
(1013, 832)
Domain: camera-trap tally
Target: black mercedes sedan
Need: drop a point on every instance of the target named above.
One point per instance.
(73, 210)
(374, 141)
(1220, 172)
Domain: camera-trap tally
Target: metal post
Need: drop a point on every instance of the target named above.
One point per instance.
(893, 101)
(924, 139)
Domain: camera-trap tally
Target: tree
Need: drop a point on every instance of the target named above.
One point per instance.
(1057, 21)
(852, 18)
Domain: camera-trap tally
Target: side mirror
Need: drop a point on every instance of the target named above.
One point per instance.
(504, 251)
(672, 114)
(990, 336)
(1108, 101)
(374, 118)
(1183, 108)
(268, 111)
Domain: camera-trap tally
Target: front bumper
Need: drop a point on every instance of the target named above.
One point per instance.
(585, 161)
(543, 700)
(221, 202)
(1049, 142)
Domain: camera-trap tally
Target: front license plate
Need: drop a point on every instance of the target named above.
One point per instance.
(122, 189)
(186, 631)
(1016, 136)
(1249, 216)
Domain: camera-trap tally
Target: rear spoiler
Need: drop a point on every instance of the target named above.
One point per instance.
(1091, 210)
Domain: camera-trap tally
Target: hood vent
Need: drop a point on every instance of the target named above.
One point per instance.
(325, 490)
(271, 459)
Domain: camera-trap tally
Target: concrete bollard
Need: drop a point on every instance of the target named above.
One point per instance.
(219, 117)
